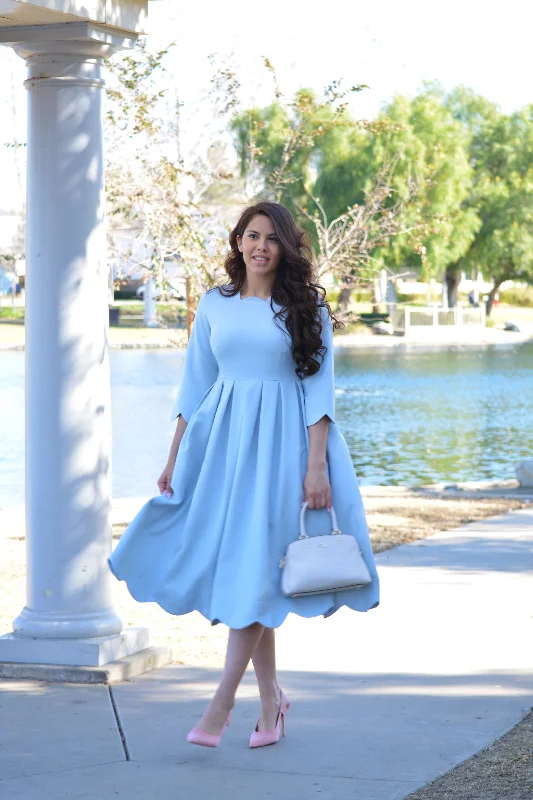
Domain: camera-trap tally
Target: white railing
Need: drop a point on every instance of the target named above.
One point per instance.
(408, 317)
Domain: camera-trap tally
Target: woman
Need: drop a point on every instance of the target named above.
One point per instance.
(255, 437)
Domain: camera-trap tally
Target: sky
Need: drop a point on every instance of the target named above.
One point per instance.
(390, 46)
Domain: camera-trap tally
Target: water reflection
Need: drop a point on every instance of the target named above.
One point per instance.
(438, 415)
(408, 417)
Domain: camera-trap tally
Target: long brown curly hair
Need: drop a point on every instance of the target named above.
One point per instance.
(295, 288)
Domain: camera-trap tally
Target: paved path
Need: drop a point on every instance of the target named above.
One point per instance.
(382, 702)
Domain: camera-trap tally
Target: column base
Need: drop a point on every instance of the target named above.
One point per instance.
(73, 652)
(54, 625)
(124, 669)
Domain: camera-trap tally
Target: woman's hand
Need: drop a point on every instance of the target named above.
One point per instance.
(164, 480)
(317, 490)
(166, 475)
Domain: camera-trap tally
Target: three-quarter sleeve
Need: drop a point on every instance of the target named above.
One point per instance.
(201, 368)
(319, 389)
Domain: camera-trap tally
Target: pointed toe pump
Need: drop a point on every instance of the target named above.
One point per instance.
(198, 736)
(263, 738)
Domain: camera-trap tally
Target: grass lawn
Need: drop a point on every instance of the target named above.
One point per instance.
(8, 312)
(501, 313)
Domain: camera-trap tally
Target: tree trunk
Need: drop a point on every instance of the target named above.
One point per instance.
(376, 296)
(452, 283)
(344, 300)
(492, 295)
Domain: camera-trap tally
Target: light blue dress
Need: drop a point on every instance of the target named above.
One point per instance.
(215, 546)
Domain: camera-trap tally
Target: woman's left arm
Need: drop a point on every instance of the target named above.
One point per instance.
(317, 489)
(319, 395)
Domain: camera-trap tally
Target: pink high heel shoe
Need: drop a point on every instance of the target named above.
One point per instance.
(263, 738)
(198, 736)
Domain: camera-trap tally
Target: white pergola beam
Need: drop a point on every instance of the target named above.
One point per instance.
(64, 32)
(129, 15)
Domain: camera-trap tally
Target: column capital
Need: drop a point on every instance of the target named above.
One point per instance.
(49, 60)
(69, 53)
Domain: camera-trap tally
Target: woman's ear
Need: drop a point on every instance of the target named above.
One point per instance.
(239, 243)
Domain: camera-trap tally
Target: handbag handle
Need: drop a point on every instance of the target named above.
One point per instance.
(303, 534)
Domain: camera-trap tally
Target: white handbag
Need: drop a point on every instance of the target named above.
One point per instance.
(318, 564)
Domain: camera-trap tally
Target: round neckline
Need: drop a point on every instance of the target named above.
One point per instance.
(255, 297)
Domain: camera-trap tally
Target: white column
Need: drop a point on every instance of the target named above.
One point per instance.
(68, 470)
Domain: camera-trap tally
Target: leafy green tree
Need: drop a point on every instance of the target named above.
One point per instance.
(287, 148)
(346, 168)
(341, 165)
(277, 146)
(501, 153)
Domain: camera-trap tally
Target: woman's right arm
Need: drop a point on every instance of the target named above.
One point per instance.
(199, 374)
(166, 476)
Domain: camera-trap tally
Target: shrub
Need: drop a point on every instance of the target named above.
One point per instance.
(357, 296)
(517, 296)
(8, 312)
(353, 327)
(416, 299)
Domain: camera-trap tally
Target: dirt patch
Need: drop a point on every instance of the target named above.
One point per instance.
(502, 771)
(397, 520)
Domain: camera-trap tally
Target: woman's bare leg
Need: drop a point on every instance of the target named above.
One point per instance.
(264, 661)
(241, 645)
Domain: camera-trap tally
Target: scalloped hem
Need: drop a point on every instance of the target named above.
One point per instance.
(217, 620)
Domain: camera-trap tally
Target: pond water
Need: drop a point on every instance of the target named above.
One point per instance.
(408, 417)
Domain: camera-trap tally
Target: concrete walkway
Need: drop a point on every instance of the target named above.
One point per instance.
(382, 702)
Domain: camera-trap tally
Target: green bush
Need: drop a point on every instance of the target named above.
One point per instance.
(361, 296)
(332, 296)
(134, 309)
(517, 296)
(164, 310)
(7, 312)
(412, 299)
(352, 327)
(357, 296)
(171, 314)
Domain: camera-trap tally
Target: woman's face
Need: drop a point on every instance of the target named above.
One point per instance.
(260, 246)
